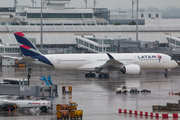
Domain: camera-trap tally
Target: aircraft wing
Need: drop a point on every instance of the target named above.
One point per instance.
(23, 59)
(6, 56)
(111, 64)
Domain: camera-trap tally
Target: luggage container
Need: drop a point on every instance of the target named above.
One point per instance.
(76, 114)
(62, 114)
(68, 90)
(61, 107)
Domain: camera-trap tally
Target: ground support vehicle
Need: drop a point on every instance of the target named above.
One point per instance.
(168, 107)
(134, 90)
(61, 107)
(9, 107)
(121, 90)
(63, 114)
(43, 105)
(76, 114)
(69, 89)
(145, 91)
(72, 106)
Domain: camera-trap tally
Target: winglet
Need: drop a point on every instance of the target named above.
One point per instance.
(110, 56)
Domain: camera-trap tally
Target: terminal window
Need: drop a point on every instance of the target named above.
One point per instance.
(149, 15)
(157, 15)
(142, 15)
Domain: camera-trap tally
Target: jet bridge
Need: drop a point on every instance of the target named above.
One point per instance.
(29, 90)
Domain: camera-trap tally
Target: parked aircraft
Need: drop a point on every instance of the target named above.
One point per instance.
(103, 64)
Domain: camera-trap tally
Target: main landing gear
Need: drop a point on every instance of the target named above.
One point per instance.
(90, 75)
(103, 75)
(166, 73)
(93, 75)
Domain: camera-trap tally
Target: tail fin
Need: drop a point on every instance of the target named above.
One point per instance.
(27, 48)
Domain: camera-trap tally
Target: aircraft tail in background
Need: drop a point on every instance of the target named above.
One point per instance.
(27, 48)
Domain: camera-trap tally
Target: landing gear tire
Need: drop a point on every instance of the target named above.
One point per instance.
(100, 75)
(87, 75)
(43, 109)
(106, 75)
(166, 74)
(93, 75)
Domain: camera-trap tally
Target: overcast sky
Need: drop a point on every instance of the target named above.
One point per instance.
(110, 4)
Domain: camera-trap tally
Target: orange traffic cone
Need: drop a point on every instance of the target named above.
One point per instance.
(172, 93)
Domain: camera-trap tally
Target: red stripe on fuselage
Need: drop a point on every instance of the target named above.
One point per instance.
(19, 34)
(26, 47)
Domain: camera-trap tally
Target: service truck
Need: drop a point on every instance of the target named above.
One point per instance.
(122, 89)
(44, 105)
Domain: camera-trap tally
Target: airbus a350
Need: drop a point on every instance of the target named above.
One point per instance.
(103, 64)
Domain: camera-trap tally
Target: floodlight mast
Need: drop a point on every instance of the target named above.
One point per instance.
(137, 20)
(132, 7)
(15, 3)
(86, 2)
(41, 27)
(95, 2)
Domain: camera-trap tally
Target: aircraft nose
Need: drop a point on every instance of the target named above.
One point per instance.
(177, 63)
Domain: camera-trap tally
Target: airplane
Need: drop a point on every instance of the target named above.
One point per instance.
(103, 64)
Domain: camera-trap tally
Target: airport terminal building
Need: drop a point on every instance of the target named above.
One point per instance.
(71, 30)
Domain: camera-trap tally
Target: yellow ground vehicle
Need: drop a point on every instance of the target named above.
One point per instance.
(72, 106)
(63, 114)
(64, 89)
(61, 107)
(76, 114)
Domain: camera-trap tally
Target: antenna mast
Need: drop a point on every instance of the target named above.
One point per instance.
(33, 3)
(86, 2)
(95, 2)
(132, 7)
(15, 3)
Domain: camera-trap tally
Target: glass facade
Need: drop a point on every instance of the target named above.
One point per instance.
(102, 13)
(9, 50)
(103, 44)
(149, 15)
(173, 41)
(127, 21)
(60, 15)
(157, 15)
(1, 50)
(32, 40)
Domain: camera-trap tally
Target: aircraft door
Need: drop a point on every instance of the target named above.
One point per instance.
(52, 60)
(135, 60)
(89, 60)
(164, 59)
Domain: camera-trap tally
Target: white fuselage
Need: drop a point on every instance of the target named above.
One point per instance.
(88, 62)
(28, 103)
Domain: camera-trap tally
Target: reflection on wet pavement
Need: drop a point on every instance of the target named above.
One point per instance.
(96, 97)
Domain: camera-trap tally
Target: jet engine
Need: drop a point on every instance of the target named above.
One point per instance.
(131, 69)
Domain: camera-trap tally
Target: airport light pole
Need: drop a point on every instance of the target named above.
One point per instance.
(137, 20)
(41, 27)
(29, 74)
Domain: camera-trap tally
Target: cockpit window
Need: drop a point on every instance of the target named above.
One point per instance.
(172, 58)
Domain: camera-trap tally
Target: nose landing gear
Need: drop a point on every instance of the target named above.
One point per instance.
(166, 73)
